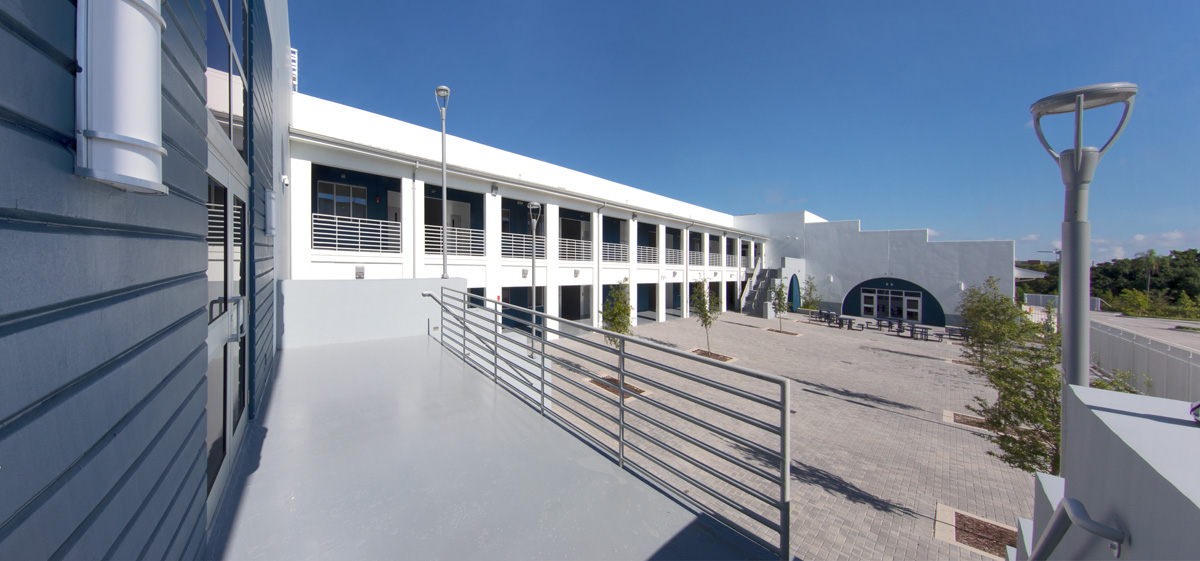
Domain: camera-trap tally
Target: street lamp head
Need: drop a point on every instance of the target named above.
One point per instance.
(1077, 101)
(443, 91)
(533, 206)
(1098, 95)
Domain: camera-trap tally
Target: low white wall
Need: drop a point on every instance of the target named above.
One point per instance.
(1174, 371)
(1131, 461)
(326, 312)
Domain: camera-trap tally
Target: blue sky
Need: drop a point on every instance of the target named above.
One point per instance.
(898, 114)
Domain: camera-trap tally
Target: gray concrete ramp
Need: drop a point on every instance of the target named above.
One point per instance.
(395, 449)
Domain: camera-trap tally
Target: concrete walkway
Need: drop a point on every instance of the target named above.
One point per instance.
(395, 449)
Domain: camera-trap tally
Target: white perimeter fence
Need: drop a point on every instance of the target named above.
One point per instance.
(1174, 371)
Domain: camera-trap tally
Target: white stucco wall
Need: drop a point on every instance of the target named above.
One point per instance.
(840, 255)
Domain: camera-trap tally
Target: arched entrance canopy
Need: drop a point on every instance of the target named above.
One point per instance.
(893, 298)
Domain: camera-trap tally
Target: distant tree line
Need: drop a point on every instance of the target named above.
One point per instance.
(1148, 284)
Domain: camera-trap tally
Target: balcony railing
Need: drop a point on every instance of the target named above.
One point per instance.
(673, 256)
(731, 261)
(696, 258)
(714, 259)
(574, 250)
(647, 254)
(615, 252)
(521, 245)
(459, 241)
(746, 261)
(343, 233)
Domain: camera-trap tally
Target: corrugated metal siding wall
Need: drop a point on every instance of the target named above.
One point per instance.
(102, 318)
(261, 178)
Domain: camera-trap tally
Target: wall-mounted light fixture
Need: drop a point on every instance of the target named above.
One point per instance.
(495, 189)
(635, 216)
(576, 273)
(524, 273)
(674, 273)
(962, 286)
(830, 278)
(118, 94)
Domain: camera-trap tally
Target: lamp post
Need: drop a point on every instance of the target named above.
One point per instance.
(1078, 165)
(443, 101)
(535, 212)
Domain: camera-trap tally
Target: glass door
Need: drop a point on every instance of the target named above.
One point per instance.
(227, 310)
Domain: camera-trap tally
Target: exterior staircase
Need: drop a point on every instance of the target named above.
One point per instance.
(758, 297)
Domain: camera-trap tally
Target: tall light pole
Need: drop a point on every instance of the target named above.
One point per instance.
(443, 101)
(535, 212)
(1078, 165)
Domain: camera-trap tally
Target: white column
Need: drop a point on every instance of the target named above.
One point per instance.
(686, 294)
(631, 271)
(660, 236)
(418, 229)
(597, 283)
(553, 305)
(491, 245)
(410, 221)
(300, 195)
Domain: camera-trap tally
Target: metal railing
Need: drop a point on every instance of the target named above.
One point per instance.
(714, 259)
(521, 245)
(746, 261)
(647, 254)
(696, 258)
(712, 434)
(1173, 371)
(343, 233)
(1071, 512)
(672, 256)
(459, 241)
(731, 261)
(574, 250)
(615, 252)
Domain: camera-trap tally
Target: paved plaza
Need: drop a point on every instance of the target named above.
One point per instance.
(872, 457)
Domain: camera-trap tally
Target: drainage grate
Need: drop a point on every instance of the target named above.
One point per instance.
(983, 535)
(613, 387)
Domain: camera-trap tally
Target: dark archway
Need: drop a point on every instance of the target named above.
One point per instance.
(794, 294)
(931, 311)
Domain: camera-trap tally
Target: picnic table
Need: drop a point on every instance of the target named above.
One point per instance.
(958, 333)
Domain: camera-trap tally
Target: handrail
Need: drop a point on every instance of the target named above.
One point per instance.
(712, 456)
(750, 281)
(1071, 511)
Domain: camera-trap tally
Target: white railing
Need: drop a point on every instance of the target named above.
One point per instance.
(615, 252)
(746, 261)
(731, 261)
(343, 233)
(696, 258)
(521, 245)
(714, 259)
(459, 241)
(673, 256)
(647, 254)
(574, 250)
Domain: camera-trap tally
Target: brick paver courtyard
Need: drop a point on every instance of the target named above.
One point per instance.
(872, 456)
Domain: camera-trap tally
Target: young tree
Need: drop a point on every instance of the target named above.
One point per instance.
(706, 306)
(617, 313)
(1019, 359)
(808, 294)
(779, 301)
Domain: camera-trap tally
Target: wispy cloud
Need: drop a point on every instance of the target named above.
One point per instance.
(1030, 238)
(1057, 244)
(1104, 249)
(936, 233)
